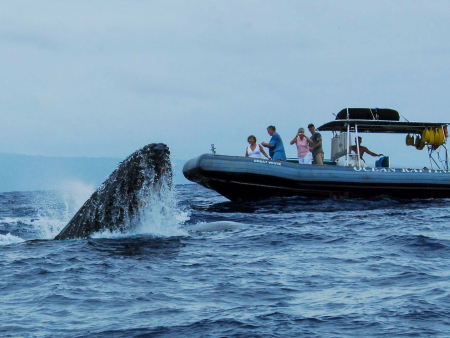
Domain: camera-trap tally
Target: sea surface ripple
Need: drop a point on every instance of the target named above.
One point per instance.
(279, 268)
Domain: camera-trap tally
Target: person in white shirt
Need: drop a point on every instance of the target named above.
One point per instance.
(255, 150)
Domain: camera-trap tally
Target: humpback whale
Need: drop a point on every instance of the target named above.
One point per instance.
(117, 203)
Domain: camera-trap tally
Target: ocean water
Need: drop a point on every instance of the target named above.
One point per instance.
(205, 267)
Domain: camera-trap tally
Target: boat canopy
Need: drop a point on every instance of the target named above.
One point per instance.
(368, 114)
(380, 126)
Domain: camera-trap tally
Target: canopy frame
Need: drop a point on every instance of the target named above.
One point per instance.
(380, 126)
(392, 127)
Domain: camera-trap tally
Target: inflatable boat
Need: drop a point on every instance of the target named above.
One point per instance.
(345, 174)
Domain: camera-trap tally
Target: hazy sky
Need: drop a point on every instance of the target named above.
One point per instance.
(103, 78)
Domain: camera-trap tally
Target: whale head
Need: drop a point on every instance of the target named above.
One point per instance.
(117, 203)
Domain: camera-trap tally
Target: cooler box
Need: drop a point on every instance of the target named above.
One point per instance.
(383, 162)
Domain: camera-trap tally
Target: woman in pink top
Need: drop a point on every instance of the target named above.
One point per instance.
(303, 143)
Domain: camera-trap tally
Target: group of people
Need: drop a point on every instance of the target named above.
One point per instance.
(309, 149)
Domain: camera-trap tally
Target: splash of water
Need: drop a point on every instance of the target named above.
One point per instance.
(9, 239)
(75, 193)
(53, 209)
(158, 214)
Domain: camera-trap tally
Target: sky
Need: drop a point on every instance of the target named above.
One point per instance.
(104, 78)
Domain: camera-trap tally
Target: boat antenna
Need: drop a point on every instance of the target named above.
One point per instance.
(345, 77)
(404, 117)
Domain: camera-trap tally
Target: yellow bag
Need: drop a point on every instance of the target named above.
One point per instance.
(426, 135)
(441, 136)
(422, 145)
(417, 143)
(432, 134)
(407, 140)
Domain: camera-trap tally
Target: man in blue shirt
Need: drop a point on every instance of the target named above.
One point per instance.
(276, 148)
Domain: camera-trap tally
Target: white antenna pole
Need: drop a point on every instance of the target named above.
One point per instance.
(446, 149)
(348, 141)
(446, 152)
(357, 145)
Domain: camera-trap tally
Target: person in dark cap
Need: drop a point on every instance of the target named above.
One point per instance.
(316, 146)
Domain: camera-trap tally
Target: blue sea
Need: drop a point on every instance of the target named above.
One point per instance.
(202, 266)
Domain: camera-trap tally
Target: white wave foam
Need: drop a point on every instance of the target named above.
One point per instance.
(10, 239)
(182, 217)
(39, 227)
(48, 228)
(14, 220)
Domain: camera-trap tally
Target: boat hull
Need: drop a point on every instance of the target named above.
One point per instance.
(239, 178)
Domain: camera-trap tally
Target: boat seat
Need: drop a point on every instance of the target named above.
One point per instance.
(352, 161)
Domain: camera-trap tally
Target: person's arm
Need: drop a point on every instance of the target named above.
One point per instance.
(309, 140)
(316, 146)
(371, 153)
(246, 152)
(264, 152)
(267, 145)
(294, 140)
(273, 141)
